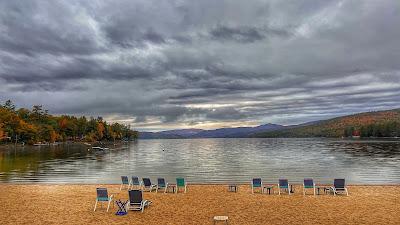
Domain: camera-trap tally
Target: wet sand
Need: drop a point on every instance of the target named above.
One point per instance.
(73, 204)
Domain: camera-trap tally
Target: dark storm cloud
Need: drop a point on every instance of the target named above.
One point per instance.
(177, 63)
(240, 34)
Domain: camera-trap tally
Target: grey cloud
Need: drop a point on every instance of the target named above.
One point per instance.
(194, 62)
(240, 34)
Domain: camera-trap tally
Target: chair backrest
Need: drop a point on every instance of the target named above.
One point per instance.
(308, 183)
(180, 182)
(124, 180)
(102, 194)
(257, 182)
(135, 196)
(339, 183)
(283, 183)
(161, 182)
(146, 182)
(135, 180)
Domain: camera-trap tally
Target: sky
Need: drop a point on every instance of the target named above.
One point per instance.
(172, 64)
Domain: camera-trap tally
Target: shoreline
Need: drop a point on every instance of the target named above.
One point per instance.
(195, 184)
(73, 204)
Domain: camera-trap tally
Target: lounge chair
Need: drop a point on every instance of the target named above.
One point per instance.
(256, 183)
(135, 182)
(180, 183)
(308, 184)
(283, 184)
(147, 186)
(136, 201)
(339, 186)
(102, 196)
(125, 181)
(161, 185)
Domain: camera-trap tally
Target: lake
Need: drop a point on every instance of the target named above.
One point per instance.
(208, 161)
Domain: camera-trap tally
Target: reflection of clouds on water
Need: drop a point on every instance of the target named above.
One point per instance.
(210, 160)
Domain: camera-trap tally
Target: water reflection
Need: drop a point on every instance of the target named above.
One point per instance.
(208, 160)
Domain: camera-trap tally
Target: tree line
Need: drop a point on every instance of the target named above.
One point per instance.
(369, 124)
(37, 125)
(386, 129)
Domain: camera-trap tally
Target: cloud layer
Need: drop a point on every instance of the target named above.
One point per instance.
(175, 64)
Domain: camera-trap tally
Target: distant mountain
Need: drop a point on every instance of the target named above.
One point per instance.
(236, 132)
(169, 134)
(369, 124)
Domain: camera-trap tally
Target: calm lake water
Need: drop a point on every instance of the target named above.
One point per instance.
(209, 161)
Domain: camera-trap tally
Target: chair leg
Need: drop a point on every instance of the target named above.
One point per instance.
(347, 193)
(279, 191)
(95, 205)
(314, 191)
(185, 189)
(120, 187)
(108, 206)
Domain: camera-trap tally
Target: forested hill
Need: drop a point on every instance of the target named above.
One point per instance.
(36, 125)
(369, 124)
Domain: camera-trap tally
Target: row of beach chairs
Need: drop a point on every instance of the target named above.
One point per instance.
(147, 185)
(339, 186)
(136, 188)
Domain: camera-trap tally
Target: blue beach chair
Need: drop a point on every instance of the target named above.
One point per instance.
(102, 196)
(256, 183)
(161, 184)
(283, 184)
(339, 186)
(136, 201)
(125, 182)
(135, 182)
(147, 185)
(308, 184)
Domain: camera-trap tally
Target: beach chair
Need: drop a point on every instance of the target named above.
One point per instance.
(283, 184)
(147, 186)
(339, 186)
(161, 184)
(125, 182)
(102, 196)
(136, 201)
(135, 182)
(180, 183)
(256, 183)
(308, 184)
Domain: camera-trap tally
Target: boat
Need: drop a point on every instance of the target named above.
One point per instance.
(100, 148)
(41, 144)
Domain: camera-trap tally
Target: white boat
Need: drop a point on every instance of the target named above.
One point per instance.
(41, 144)
(100, 148)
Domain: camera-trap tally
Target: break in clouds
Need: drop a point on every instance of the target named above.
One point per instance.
(167, 64)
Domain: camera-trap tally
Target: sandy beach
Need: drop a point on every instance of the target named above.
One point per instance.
(73, 204)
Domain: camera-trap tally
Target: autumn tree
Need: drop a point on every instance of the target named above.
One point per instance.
(100, 130)
(36, 125)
